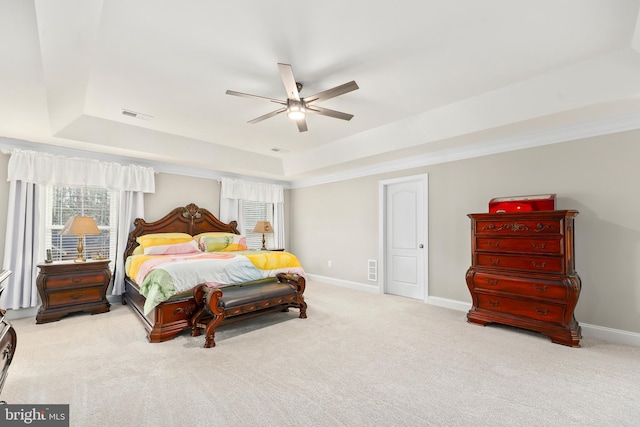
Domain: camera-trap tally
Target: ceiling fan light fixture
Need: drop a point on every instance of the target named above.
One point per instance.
(296, 111)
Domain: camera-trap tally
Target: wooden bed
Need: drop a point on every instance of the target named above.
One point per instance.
(172, 316)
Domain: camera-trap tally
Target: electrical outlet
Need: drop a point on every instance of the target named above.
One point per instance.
(329, 263)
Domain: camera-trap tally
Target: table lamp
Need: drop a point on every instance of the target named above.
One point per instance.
(80, 226)
(263, 227)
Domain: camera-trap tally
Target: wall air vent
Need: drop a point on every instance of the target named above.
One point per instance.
(372, 274)
(136, 115)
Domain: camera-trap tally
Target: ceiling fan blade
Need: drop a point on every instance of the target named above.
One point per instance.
(246, 95)
(289, 81)
(328, 112)
(302, 125)
(266, 116)
(332, 93)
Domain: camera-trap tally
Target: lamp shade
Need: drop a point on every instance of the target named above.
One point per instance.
(80, 225)
(263, 227)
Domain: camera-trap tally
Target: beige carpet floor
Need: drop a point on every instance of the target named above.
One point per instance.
(358, 360)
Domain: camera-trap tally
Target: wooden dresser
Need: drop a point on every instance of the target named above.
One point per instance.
(67, 286)
(522, 272)
(8, 338)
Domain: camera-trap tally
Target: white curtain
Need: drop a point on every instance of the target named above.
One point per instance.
(131, 207)
(24, 244)
(43, 168)
(233, 191)
(28, 173)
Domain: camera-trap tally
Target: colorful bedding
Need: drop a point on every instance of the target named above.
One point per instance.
(162, 276)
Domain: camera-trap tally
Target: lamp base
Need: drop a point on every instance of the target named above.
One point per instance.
(80, 249)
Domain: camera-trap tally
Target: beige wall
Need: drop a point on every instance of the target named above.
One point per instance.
(173, 191)
(597, 176)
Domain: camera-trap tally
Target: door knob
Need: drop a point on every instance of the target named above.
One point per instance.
(421, 246)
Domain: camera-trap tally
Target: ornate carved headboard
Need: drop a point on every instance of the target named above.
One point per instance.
(189, 219)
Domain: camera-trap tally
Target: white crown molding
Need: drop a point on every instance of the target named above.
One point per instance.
(621, 123)
(615, 124)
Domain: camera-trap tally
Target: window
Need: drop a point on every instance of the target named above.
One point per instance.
(64, 202)
(253, 212)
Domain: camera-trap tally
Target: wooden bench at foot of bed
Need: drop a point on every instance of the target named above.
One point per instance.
(229, 304)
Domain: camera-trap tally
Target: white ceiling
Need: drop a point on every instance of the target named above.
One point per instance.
(434, 77)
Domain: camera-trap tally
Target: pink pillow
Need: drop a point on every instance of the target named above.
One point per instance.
(189, 247)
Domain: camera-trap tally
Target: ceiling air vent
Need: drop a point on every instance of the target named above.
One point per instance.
(136, 115)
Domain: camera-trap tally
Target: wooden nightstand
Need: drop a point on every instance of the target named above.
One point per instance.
(68, 286)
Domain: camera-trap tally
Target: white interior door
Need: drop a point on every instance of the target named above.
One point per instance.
(405, 237)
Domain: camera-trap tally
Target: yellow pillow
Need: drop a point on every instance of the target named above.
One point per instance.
(167, 243)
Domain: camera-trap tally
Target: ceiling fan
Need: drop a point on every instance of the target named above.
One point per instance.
(297, 107)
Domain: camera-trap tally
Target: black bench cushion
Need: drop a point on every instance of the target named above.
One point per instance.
(233, 296)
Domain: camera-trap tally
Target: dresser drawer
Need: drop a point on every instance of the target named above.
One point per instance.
(522, 227)
(79, 280)
(521, 286)
(521, 262)
(551, 246)
(76, 296)
(537, 310)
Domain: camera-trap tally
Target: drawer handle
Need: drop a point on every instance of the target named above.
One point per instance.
(188, 311)
(494, 261)
(493, 244)
(539, 288)
(538, 265)
(543, 312)
(76, 296)
(494, 303)
(491, 281)
(540, 246)
(542, 227)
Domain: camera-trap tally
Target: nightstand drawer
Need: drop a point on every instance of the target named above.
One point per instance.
(60, 282)
(75, 296)
(536, 310)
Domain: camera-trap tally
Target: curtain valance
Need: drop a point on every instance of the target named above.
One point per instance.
(253, 191)
(43, 168)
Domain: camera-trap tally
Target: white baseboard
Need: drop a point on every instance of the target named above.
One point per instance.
(344, 283)
(614, 336)
(448, 303)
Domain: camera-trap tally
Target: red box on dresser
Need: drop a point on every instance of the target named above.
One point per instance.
(535, 202)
